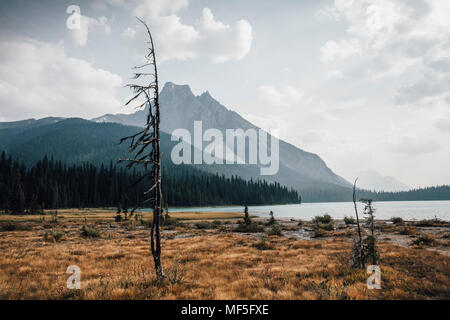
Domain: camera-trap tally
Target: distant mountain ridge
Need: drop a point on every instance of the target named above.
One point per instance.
(180, 108)
(372, 180)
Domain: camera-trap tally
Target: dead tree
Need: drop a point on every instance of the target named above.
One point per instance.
(145, 145)
(358, 250)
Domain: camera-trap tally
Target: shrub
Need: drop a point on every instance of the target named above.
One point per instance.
(176, 272)
(271, 220)
(262, 244)
(436, 222)
(327, 226)
(405, 231)
(397, 220)
(169, 222)
(326, 218)
(55, 236)
(251, 228)
(90, 232)
(203, 225)
(11, 226)
(275, 230)
(425, 239)
(349, 220)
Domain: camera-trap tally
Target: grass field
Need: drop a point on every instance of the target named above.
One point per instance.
(204, 258)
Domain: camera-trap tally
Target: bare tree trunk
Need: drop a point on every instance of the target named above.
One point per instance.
(150, 136)
(360, 242)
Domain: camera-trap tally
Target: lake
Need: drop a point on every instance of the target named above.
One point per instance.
(408, 210)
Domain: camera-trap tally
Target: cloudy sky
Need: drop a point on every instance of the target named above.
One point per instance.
(363, 83)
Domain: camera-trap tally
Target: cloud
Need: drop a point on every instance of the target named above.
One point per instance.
(443, 125)
(332, 50)
(397, 38)
(413, 145)
(79, 36)
(208, 38)
(432, 88)
(38, 79)
(280, 96)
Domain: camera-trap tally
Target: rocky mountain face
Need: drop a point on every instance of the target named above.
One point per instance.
(180, 108)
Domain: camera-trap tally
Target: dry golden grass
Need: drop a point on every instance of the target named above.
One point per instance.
(103, 215)
(209, 264)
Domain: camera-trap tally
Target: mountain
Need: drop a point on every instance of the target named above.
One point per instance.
(372, 180)
(180, 108)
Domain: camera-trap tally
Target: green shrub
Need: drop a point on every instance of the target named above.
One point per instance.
(436, 222)
(12, 226)
(275, 230)
(262, 244)
(349, 220)
(397, 220)
(176, 272)
(9, 226)
(405, 231)
(203, 225)
(90, 232)
(425, 239)
(251, 228)
(327, 226)
(55, 236)
(323, 219)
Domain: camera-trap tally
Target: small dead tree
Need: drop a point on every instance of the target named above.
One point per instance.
(145, 145)
(358, 257)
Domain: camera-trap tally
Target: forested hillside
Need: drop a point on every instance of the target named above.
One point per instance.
(51, 184)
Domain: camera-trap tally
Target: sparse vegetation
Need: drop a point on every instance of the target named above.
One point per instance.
(349, 220)
(275, 230)
(244, 266)
(397, 221)
(90, 232)
(263, 244)
(425, 240)
(54, 236)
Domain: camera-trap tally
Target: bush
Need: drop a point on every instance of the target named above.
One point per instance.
(327, 226)
(275, 230)
(397, 220)
(90, 232)
(176, 272)
(405, 231)
(323, 219)
(11, 226)
(262, 244)
(251, 228)
(55, 236)
(425, 239)
(349, 220)
(430, 223)
(203, 225)
(170, 223)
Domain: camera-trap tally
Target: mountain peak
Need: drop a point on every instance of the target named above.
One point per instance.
(176, 89)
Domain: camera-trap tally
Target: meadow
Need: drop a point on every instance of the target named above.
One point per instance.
(206, 256)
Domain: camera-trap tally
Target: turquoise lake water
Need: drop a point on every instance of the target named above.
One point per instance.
(410, 210)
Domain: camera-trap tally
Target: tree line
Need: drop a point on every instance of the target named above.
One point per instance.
(51, 184)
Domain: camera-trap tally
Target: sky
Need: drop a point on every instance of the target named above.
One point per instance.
(365, 84)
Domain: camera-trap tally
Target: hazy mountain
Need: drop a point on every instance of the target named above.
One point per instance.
(180, 108)
(372, 180)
